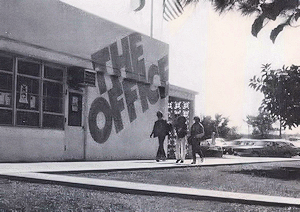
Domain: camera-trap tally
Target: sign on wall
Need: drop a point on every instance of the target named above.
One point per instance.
(126, 79)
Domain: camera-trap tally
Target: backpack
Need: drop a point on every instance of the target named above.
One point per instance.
(162, 128)
(181, 131)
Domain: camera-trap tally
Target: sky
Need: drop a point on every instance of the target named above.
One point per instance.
(212, 54)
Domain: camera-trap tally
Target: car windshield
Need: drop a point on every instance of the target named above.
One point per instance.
(218, 142)
(247, 143)
(243, 142)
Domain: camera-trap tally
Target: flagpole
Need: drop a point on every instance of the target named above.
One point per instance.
(151, 24)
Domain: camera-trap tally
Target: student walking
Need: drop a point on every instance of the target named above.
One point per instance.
(160, 130)
(181, 132)
(197, 132)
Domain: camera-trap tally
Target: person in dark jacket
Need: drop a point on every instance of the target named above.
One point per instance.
(160, 130)
(181, 132)
(197, 132)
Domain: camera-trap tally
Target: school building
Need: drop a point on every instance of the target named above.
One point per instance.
(74, 86)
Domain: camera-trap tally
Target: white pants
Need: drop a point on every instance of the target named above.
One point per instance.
(180, 148)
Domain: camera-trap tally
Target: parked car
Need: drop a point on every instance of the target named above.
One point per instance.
(230, 145)
(266, 147)
(295, 141)
(218, 142)
(294, 138)
(296, 144)
(212, 150)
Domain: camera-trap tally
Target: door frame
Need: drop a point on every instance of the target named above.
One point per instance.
(83, 92)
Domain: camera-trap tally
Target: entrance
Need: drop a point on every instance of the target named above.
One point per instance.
(74, 138)
(177, 107)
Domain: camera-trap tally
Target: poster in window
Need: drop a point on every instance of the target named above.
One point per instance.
(23, 94)
(74, 103)
(2, 95)
(7, 98)
(32, 101)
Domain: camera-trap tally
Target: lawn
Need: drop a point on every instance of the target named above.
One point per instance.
(281, 179)
(277, 179)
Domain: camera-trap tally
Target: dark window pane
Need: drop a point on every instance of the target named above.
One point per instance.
(27, 118)
(5, 82)
(53, 73)
(29, 68)
(6, 117)
(75, 109)
(53, 89)
(6, 63)
(52, 104)
(29, 102)
(53, 121)
(29, 84)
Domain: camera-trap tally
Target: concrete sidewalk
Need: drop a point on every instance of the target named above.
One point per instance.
(128, 165)
(30, 172)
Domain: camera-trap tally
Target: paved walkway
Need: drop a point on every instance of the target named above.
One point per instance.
(128, 165)
(32, 171)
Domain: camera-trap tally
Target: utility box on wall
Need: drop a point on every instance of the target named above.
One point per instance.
(80, 77)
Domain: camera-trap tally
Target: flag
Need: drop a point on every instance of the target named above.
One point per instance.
(172, 9)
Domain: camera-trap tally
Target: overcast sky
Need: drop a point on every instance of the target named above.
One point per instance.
(213, 54)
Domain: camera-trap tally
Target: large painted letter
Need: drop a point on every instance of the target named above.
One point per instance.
(117, 105)
(99, 60)
(120, 61)
(98, 107)
(130, 96)
(136, 52)
(101, 82)
(163, 68)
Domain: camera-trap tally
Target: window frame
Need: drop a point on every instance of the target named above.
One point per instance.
(16, 76)
(63, 83)
(11, 108)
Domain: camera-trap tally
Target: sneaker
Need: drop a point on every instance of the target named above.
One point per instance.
(157, 160)
(181, 161)
(177, 161)
(202, 159)
(194, 162)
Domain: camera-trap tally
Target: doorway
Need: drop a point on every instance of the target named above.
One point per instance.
(74, 129)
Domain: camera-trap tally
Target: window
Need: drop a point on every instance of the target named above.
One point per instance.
(53, 116)
(31, 93)
(28, 68)
(27, 93)
(6, 82)
(6, 63)
(75, 109)
(54, 73)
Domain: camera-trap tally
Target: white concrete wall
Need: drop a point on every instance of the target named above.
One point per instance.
(28, 144)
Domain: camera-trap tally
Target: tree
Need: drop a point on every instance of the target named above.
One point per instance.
(281, 89)
(265, 10)
(262, 124)
(219, 125)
